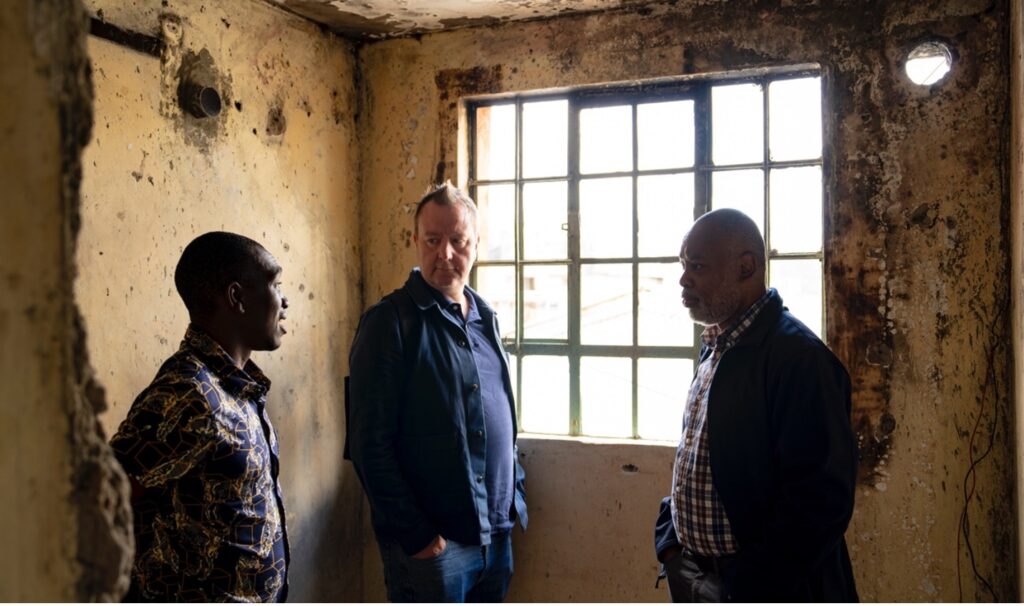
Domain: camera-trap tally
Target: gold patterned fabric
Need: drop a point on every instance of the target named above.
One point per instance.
(209, 522)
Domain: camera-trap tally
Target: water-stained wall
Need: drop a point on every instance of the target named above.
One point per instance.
(917, 271)
(1016, 170)
(278, 164)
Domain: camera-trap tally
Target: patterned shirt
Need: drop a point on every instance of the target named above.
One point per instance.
(209, 523)
(699, 518)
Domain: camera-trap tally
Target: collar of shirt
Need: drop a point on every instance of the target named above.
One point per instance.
(454, 309)
(249, 382)
(721, 339)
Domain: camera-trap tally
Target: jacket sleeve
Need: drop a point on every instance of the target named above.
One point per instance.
(816, 465)
(376, 366)
(664, 529)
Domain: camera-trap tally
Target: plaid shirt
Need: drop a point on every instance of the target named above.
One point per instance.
(698, 516)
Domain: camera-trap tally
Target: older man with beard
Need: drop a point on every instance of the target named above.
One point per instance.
(763, 481)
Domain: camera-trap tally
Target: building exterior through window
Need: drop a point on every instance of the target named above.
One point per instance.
(584, 197)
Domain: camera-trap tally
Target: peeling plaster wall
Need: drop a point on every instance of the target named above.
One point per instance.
(279, 165)
(63, 514)
(1016, 162)
(917, 268)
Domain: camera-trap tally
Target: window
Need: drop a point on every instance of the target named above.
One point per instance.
(584, 197)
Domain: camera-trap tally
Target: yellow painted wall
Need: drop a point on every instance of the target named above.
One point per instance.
(35, 454)
(154, 179)
(916, 270)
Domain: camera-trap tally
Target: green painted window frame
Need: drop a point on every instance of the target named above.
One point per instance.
(699, 91)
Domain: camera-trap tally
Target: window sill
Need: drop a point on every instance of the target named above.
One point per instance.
(592, 441)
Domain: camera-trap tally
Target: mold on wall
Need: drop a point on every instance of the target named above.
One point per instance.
(276, 163)
(1016, 170)
(64, 509)
(916, 255)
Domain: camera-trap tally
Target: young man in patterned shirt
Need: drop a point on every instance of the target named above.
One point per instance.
(199, 446)
(763, 481)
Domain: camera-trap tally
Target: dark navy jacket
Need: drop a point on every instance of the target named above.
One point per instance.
(783, 461)
(416, 429)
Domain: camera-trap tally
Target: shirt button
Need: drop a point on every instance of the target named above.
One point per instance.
(474, 387)
(462, 343)
(479, 479)
(479, 433)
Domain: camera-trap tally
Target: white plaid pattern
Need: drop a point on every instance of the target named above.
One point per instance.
(699, 517)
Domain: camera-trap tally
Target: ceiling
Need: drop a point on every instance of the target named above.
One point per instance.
(371, 19)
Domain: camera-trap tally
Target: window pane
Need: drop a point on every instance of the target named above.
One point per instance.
(665, 213)
(799, 283)
(496, 210)
(795, 209)
(665, 135)
(661, 397)
(545, 210)
(606, 139)
(498, 286)
(794, 119)
(545, 394)
(606, 397)
(496, 142)
(545, 133)
(606, 306)
(606, 217)
(737, 124)
(742, 190)
(663, 319)
(545, 302)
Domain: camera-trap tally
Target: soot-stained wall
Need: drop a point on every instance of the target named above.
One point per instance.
(917, 272)
(278, 164)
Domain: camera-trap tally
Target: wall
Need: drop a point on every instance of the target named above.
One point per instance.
(916, 257)
(279, 165)
(63, 510)
(1016, 170)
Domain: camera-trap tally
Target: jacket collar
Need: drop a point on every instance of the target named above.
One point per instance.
(766, 319)
(423, 294)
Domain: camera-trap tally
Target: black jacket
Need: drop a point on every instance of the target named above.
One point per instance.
(783, 461)
(415, 429)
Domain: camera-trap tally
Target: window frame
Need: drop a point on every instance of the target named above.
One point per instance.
(697, 89)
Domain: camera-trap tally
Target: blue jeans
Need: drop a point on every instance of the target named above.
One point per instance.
(461, 573)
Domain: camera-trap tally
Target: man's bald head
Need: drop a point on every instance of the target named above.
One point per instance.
(723, 258)
(736, 232)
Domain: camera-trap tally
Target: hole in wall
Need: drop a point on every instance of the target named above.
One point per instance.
(929, 62)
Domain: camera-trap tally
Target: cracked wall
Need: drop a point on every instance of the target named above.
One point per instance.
(64, 508)
(278, 163)
(917, 271)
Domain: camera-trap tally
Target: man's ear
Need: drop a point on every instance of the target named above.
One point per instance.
(235, 294)
(748, 265)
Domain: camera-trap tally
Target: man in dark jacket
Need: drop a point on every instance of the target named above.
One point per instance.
(764, 476)
(432, 423)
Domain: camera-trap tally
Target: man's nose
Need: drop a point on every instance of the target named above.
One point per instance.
(684, 280)
(445, 251)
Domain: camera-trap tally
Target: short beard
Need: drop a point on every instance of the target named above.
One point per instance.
(717, 309)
